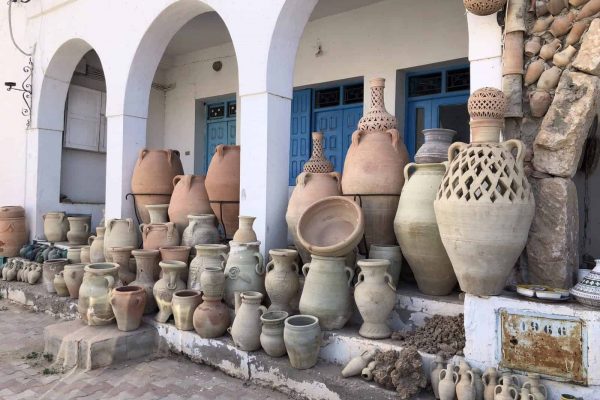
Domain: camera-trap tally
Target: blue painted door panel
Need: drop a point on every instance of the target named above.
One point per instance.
(418, 117)
(351, 117)
(300, 130)
(330, 123)
(218, 132)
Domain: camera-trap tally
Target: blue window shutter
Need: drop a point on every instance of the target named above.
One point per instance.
(299, 133)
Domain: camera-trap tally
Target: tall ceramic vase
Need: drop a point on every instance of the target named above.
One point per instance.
(170, 283)
(485, 205)
(281, 279)
(223, 184)
(94, 294)
(244, 271)
(316, 182)
(246, 327)
(189, 198)
(146, 262)
(417, 229)
(373, 167)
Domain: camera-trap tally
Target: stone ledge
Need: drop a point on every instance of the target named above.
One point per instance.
(39, 299)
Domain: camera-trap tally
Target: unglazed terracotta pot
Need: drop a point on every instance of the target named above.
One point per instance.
(244, 270)
(549, 49)
(60, 286)
(207, 255)
(56, 226)
(541, 24)
(128, 304)
(435, 148)
(152, 179)
(534, 71)
(147, 272)
(417, 229)
(539, 103)
(506, 391)
(562, 24)
(556, 6)
(465, 387)
(73, 274)
(549, 79)
(94, 294)
(13, 230)
(490, 380)
(282, 279)
(183, 305)
(245, 233)
(79, 229)
(96, 244)
(484, 220)
(563, 58)
(74, 254)
(223, 184)
(391, 253)
(84, 255)
(211, 318)
(576, 32)
(271, 336)
(358, 363)
(434, 376)
(591, 8)
(50, 268)
(119, 233)
(158, 213)
(375, 296)
(177, 253)
(326, 293)
(35, 274)
(533, 384)
(246, 327)
(121, 256)
(447, 385)
(189, 198)
(302, 337)
(212, 280)
(533, 46)
(200, 230)
(155, 236)
(170, 283)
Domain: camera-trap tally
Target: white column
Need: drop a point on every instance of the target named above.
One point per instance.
(126, 136)
(485, 51)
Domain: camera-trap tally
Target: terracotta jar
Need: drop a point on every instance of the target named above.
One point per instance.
(211, 318)
(79, 229)
(189, 198)
(246, 328)
(548, 50)
(541, 24)
(373, 165)
(533, 46)
(35, 274)
(245, 233)
(576, 32)
(49, 269)
(177, 253)
(435, 147)
(434, 376)
(447, 385)
(391, 253)
(479, 387)
(282, 279)
(539, 102)
(212, 281)
(244, 270)
(121, 256)
(535, 387)
(128, 304)
(465, 387)
(417, 229)
(73, 274)
(358, 363)
(13, 230)
(74, 254)
(223, 184)
(271, 335)
(563, 58)
(587, 292)
(326, 293)
(549, 79)
(490, 380)
(207, 255)
(506, 391)
(94, 294)
(170, 283)
(183, 305)
(591, 8)
(562, 24)
(158, 213)
(96, 244)
(302, 337)
(534, 71)
(60, 286)
(200, 230)
(84, 255)
(152, 179)
(375, 296)
(119, 233)
(147, 272)
(56, 226)
(484, 220)
(155, 236)
(556, 6)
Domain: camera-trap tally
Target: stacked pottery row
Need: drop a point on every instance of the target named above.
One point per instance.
(58, 227)
(21, 270)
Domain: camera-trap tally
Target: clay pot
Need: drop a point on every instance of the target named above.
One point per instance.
(417, 230)
(302, 337)
(84, 255)
(94, 305)
(577, 3)
(13, 230)
(170, 283)
(479, 388)
(587, 292)
(207, 255)
(541, 8)
(49, 269)
(119, 233)
(576, 32)
(152, 179)
(158, 213)
(223, 184)
(331, 227)
(549, 49)
(201, 230)
(183, 305)
(465, 387)
(309, 188)
(447, 385)
(79, 229)
(244, 270)
(155, 236)
(11, 274)
(490, 380)
(563, 58)
(271, 336)
(96, 244)
(375, 297)
(35, 274)
(317, 163)
(534, 71)
(73, 275)
(434, 376)
(391, 253)
(211, 318)
(435, 147)
(484, 7)
(128, 304)
(358, 363)
(591, 8)
(74, 254)
(549, 79)
(246, 328)
(56, 226)
(326, 293)
(505, 391)
(539, 102)
(212, 280)
(147, 271)
(245, 233)
(121, 256)
(60, 286)
(532, 47)
(561, 25)
(541, 24)
(11, 212)
(281, 279)
(535, 387)
(189, 198)
(556, 6)
(177, 253)
(512, 55)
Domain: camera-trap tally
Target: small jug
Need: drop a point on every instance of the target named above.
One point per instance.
(447, 386)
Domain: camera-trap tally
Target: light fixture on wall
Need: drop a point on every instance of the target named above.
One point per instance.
(25, 89)
(217, 65)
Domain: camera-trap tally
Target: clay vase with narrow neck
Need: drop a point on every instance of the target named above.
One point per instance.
(119, 233)
(447, 385)
(128, 304)
(60, 286)
(537, 390)
(158, 213)
(56, 226)
(73, 274)
(282, 279)
(223, 184)
(438, 366)
(505, 391)
(146, 262)
(200, 230)
(435, 148)
(244, 270)
(96, 244)
(246, 327)
(211, 317)
(121, 256)
(189, 198)
(465, 387)
(155, 236)
(79, 229)
(207, 255)
(490, 380)
(391, 253)
(170, 283)
(245, 233)
(94, 294)
(373, 166)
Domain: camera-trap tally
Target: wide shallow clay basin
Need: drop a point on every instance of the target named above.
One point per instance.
(331, 227)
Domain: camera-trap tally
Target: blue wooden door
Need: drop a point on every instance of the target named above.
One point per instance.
(351, 117)
(418, 117)
(300, 130)
(330, 123)
(220, 127)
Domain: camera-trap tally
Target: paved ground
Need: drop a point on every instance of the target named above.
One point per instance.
(25, 373)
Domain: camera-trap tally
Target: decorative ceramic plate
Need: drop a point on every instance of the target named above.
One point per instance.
(543, 292)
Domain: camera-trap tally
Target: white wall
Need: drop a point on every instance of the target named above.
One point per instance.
(82, 176)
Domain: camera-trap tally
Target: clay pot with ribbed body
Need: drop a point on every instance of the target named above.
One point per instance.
(207, 255)
(128, 304)
(119, 233)
(73, 274)
(189, 198)
(94, 294)
(211, 318)
(281, 279)
(147, 272)
(56, 226)
(96, 244)
(79, 229)
(170, 283)
(155, 236)
(13, 230)
(435, 148)
(223, 184)
(152, 179)
(417, 229)
(244, 270)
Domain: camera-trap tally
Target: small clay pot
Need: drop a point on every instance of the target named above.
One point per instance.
(158, 213)
(534, 71)
(74, 254)
(541, 8)
(183, 304)
(155, 236)
(591, 8)
(549, 49)
(563, 58)
(561, 25)
(121, 256)
(245, 233)
(556, 6)
(541, 24)
(128, 304)
(60, 286)
(539, 102)
(49, 269)
(84, 255)
(549, 79)
(211, 318)
(73, 274)
(302, 336)
(576, 32)
(271, 336)
(212, 281)
(532, 47)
